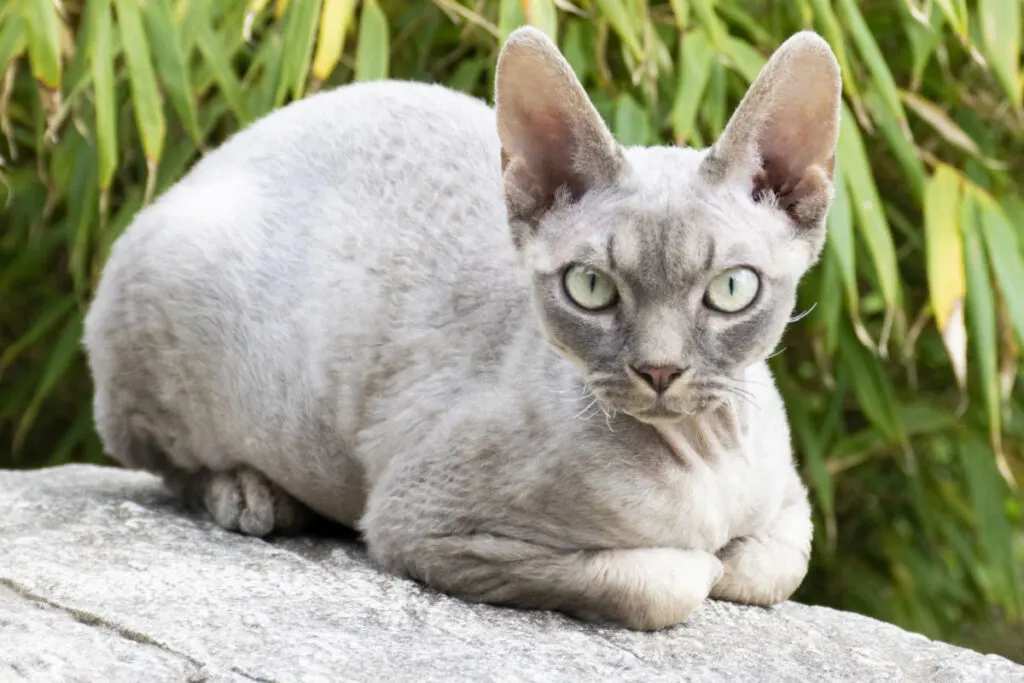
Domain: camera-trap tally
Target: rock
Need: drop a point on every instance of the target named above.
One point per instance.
(104, 578)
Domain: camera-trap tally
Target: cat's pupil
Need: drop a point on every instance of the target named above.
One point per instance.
(593, 282)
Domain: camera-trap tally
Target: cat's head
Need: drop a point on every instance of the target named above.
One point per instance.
(664, 272)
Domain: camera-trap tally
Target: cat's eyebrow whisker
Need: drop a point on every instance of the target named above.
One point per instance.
(800, 316)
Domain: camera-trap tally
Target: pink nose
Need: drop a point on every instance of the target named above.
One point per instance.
(660, 377)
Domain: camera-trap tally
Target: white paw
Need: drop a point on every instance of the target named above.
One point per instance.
(757, 573)
(668, 584)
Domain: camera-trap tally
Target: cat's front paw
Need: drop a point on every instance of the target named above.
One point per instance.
(759, 572)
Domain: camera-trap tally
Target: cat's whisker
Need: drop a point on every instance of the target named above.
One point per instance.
(585, 409)
(776, 353)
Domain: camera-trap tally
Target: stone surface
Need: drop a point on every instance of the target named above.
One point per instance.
(104, 578)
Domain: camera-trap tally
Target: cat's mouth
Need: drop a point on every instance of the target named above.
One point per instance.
(659, 409)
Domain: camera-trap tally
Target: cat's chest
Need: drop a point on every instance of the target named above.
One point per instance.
(698, 500)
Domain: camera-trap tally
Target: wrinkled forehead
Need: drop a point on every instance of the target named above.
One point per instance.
(662, 240)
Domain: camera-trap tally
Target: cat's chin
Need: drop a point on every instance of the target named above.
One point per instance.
(659, 415)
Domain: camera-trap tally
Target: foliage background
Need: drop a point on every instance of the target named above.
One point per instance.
(902, 381)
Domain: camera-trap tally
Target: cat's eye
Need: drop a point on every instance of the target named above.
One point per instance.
(589, 288)
(733, 290)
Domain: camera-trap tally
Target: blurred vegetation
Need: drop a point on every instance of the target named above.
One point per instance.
(902, 381)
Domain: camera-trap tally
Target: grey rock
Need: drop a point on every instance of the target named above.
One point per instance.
(104, 578)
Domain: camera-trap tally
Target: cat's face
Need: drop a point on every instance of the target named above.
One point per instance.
(664, 272)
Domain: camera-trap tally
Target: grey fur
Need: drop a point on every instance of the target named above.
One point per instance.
(328, 312)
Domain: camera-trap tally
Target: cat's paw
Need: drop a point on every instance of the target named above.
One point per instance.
(663, 586)
(244, 500)
(758, 572)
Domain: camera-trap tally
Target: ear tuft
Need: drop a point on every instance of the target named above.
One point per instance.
(553, 141)
(782, 137)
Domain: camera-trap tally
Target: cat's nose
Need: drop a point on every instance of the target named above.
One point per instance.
(659, 377)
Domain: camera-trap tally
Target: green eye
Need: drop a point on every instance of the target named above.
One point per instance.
(589, 289)
(733, 290)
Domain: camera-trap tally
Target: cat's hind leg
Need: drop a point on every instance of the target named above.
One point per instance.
(242, 499)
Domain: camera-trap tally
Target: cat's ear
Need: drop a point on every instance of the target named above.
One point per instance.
(781, 140)
(552, 138)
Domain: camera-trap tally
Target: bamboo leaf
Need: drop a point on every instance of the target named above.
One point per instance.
(945, 265)
(510, 17)
(694, 72)
(619, 19)
(1001, 30)
(981, 317)
(632, 124)
(374, 43)
(1004, 253)
(543, 15)
(716, 31)
(300, 29)
(12, 40)
(867, 206)
(744, 59)
(149, 115)
(47, 320)
(42, 24)
(875, 62)
(943, 125)
(171, 62)
(102, 64)
(219, 62)
(61, 356)
(335, 21)
(995, 534)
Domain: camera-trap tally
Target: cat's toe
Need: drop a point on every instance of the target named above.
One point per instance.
(244, 500)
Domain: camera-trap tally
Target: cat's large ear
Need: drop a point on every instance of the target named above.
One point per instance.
(552, 138)
(781, 141)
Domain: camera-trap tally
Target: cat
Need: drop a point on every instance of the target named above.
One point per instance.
(524, 362)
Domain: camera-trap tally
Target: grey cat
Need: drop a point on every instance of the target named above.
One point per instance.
(526, 363)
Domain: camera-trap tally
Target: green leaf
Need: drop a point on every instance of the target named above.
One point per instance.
(873, 390)
(987, 493)
(620, 20)
(219, 61)
(1001, 30)
(42, 23)
(543, 15)
(1004, 253)
(867, 207)
(149, 113)
(981, 316)
(716, 31)
(510, 17)
(694, 72)
(372, 52)
(875, 61)
(744, 59)
(632, 123)
(12, 40)
(945, 264)
(102, 64)
(64, 351)
(171, 62)
(46, 321)
(300, 29)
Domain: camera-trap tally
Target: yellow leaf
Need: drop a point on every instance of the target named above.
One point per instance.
(335, 19)
(945, 263)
